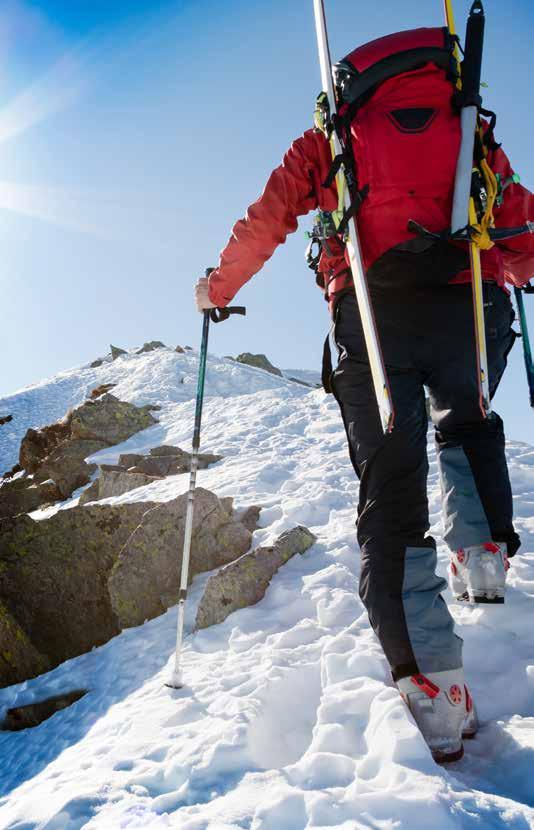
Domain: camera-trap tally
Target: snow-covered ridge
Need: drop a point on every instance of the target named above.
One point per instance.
(289, 720)
(158, 377)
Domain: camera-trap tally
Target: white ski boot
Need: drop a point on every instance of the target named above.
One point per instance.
(478, 573)
(442, 709)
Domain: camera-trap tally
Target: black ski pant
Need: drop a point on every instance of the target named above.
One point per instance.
(428, 341)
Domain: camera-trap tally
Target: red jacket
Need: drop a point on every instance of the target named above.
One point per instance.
(295, 188)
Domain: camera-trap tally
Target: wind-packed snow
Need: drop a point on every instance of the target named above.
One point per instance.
(289, 719)
(157, 377)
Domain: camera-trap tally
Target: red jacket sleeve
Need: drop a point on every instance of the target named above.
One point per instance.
(289, 193)
(516, 209)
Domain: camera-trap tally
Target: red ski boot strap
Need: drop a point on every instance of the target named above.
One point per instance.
(425, 685)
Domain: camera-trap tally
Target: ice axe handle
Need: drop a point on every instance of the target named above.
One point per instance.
(219, 315)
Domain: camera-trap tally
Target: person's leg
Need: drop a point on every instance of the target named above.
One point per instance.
(476, 491)
(398, 582)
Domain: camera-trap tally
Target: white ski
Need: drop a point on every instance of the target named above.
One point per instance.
(376, 361)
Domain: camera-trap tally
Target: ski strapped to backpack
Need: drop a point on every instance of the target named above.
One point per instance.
(344, 220)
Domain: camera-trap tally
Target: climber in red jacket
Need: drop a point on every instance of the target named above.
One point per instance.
(405, 140)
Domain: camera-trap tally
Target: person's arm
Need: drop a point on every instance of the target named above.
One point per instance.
(516, 209)
(289, 193)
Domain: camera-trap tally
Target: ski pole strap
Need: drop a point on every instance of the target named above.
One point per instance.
(219, 315)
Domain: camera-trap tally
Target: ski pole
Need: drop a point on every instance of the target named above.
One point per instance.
(217, 315)
(527, 351)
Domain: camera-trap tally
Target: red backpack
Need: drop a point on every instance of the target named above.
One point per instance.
(397, 97)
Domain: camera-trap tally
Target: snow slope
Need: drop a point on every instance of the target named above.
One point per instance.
(289, 720)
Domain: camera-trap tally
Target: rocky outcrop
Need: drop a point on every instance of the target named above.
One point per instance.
(74, 580)
(19, 659)
(37, 444)
(145, 578)
(135, 470)
(116, 352)
(259, 361)
(5, 419)
(53, 578)
(109, 420)
(151, 346)
(169, 461)
(179, 350)
(96, 363)
(53, 457)
(98, 391)
(26, 717)
(114, 481)
(250, 517)
(129, 459)
(245, 581)
(22, 495)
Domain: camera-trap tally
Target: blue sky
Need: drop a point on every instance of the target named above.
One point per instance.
(134, 133)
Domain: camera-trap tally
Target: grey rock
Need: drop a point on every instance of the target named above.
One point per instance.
(53, 583)
(72, 581)
(96, 363)
(168, 461)
(10, 473)
(26, 717)
(57, 452)
(109, 420)
(23, 495)
(19, 659)
(244, 582)
(146, 575)
(116, 352)
(66, 465)
(135, 470)
(167, 449)
(151, 346)
(179, 350)
(101, 390)
(129, 459)
(37, 444)
(250, 517)
(89, 494)
(259, 361)
(115, 482)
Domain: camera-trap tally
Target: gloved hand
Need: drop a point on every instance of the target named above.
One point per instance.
(202, 299)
